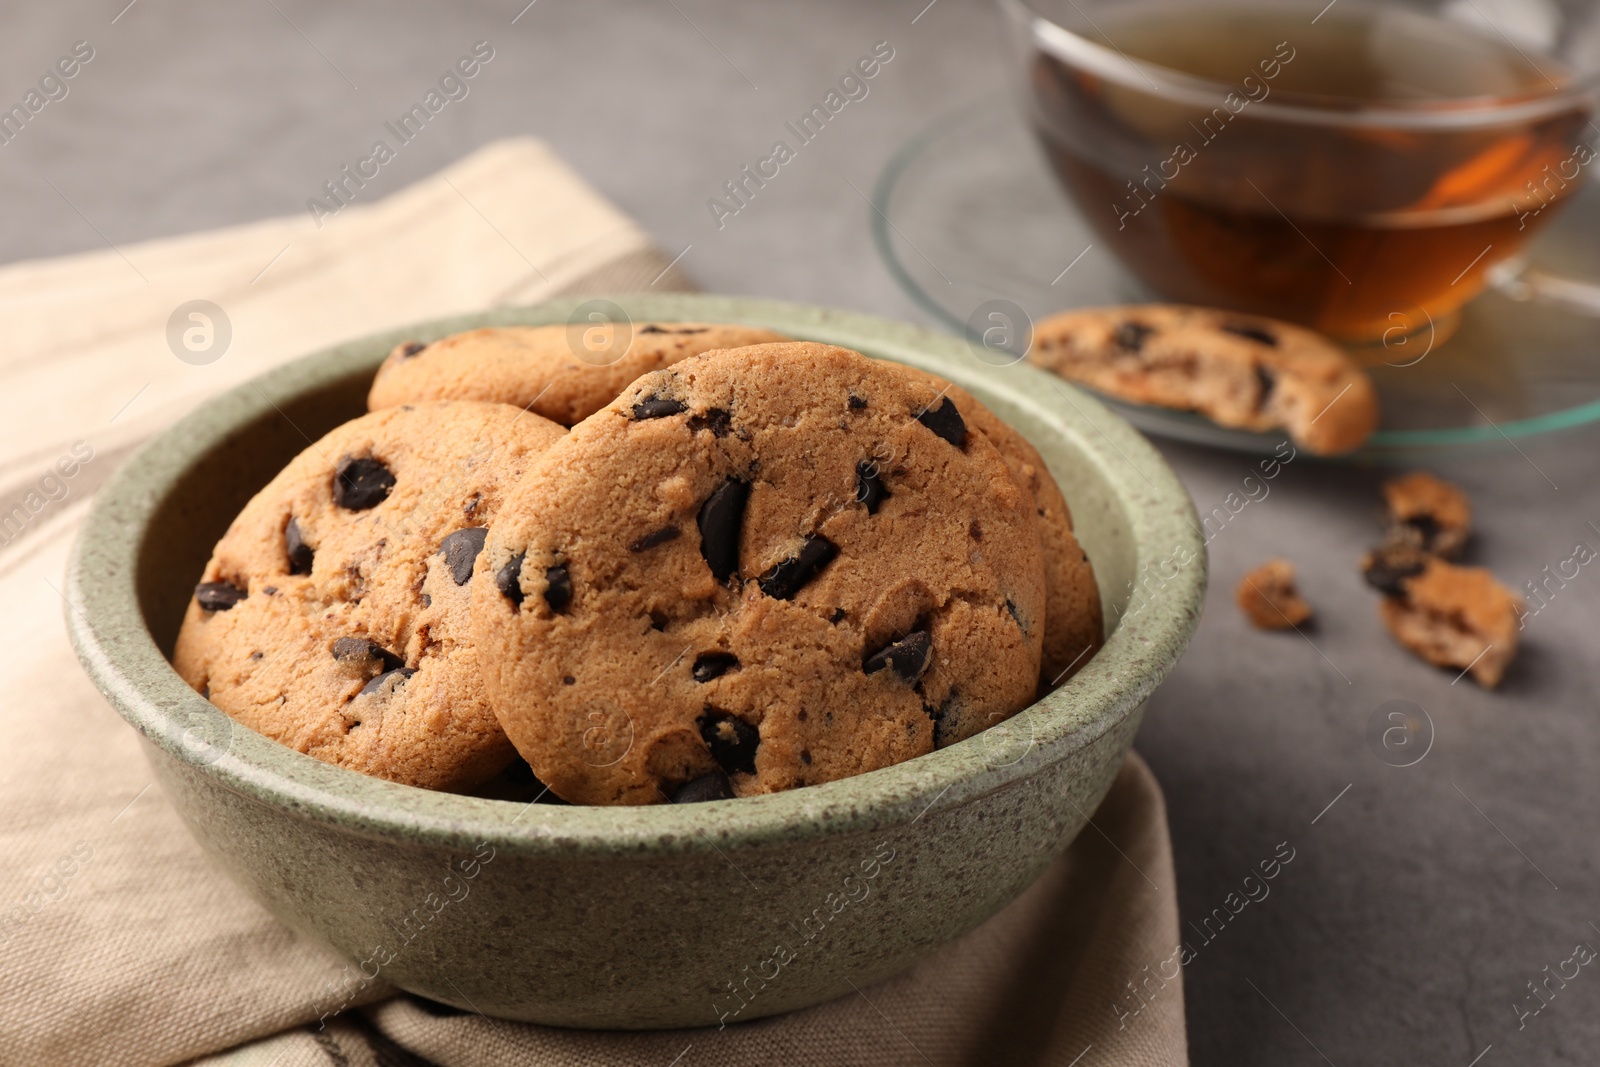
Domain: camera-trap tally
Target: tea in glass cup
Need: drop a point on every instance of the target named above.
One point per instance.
(1341, 166)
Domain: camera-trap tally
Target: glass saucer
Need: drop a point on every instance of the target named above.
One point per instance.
(968, 211)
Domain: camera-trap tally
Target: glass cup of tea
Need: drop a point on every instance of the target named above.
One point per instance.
(1345, 165)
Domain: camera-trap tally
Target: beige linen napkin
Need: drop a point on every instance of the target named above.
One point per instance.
(85, 352)
(119, 943)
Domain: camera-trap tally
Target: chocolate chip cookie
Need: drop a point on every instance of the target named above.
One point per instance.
(333, 615)
(1074, 625)
(564, 373)
(757, 570)
(1239, 371)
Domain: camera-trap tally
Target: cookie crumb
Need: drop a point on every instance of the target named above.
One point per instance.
(1456, 617)
(1269, 599)
(1450, 616)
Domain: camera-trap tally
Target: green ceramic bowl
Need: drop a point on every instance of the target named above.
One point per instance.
(630, 917)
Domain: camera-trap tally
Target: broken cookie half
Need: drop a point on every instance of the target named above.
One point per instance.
(1239, 371)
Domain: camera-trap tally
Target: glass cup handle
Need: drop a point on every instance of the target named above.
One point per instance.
(1517, 280)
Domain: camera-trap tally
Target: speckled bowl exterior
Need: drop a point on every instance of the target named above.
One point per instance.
(667, 916)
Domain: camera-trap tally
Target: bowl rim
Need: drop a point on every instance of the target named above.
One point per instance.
(116, 649)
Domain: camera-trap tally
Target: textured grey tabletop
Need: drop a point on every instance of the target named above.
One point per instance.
(1418, 907)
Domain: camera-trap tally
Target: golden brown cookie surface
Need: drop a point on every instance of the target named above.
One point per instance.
(1237, 370)
(754, 571)
(563, 373)
(1074, 624)
(333, 615)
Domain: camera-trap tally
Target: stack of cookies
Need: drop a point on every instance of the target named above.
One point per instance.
(720, 564)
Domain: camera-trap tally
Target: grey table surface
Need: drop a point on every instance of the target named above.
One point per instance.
(1417, 907)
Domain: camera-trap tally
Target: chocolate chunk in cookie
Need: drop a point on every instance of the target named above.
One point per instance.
(1254, 374)
(945, 420)
(709, 665)
(1131, 336)
(908, 657)
(789, 576)
(557, 587)
(508, 579)
(733, 742)
(299, 554)
(363, 651)
(388, 681)
(721, 519)
(362, 482)
(1388, 566)
(870, 490)
(218, 596)
(658, 407)
(461, 550)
